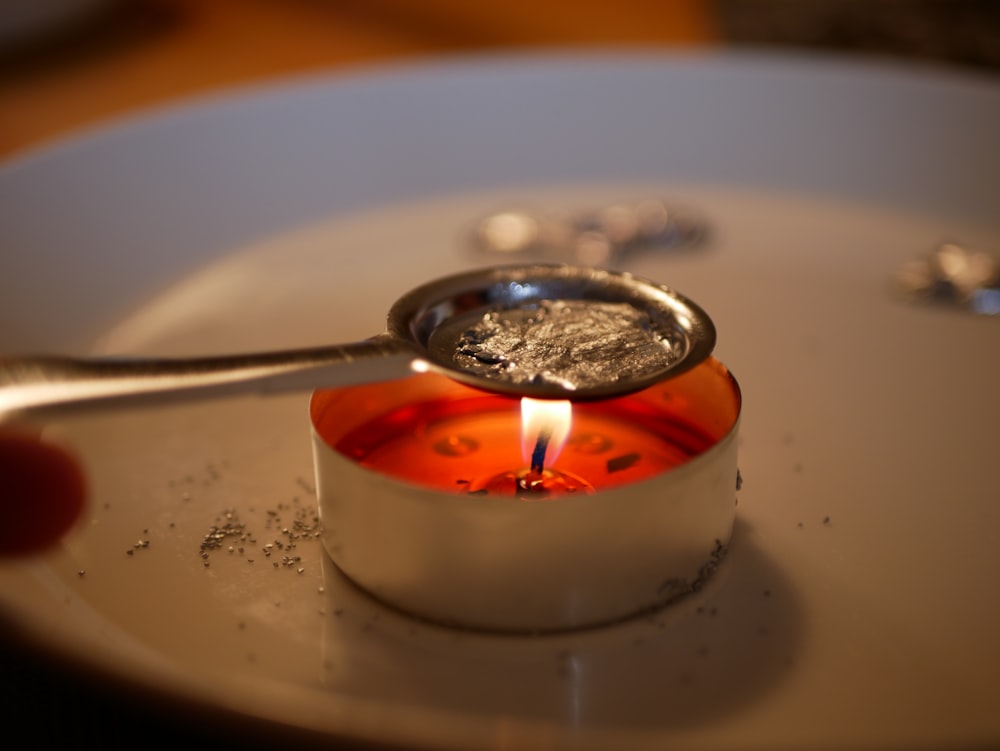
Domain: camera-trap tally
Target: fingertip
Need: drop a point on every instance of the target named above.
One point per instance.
(43, 493)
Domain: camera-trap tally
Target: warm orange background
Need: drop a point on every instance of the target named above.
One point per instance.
(144, 52)
(135, 53)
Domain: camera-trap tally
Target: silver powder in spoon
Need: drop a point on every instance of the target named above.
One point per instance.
(570, 343)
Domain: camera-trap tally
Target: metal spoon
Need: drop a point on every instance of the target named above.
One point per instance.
(427, 329)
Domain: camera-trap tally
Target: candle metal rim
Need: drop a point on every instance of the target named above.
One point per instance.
(435, 494)
(501, 564)
(577, 562)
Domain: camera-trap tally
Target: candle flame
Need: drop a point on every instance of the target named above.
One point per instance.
(545, 425)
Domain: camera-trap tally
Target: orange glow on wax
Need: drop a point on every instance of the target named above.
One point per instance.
(431, 431)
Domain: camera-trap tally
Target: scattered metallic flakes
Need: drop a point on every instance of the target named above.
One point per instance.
(673, 588)
(592, 237)
(826, 520)
(290, 523)
(231, 533)
(570, 343)
(227, 527)
(952, 275)
(141, 544)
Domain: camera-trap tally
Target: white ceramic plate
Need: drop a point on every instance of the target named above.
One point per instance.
(859, 606)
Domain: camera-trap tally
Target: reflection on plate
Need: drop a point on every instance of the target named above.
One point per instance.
(857, 606)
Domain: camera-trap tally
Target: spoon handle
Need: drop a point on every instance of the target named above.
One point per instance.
(62, 383)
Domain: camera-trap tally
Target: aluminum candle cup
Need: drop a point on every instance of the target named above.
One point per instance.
(456, 505)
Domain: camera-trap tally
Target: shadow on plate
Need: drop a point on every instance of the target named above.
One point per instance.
(713, 653)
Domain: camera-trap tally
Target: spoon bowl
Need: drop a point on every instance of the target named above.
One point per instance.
(674, 333)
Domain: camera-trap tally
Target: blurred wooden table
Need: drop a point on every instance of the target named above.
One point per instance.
(139, 53)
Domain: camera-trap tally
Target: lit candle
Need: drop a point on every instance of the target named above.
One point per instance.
(477, 509)
(545, 426)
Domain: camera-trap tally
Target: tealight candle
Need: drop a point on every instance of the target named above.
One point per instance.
(498, 512)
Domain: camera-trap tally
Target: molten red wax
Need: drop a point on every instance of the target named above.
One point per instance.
(432, 431)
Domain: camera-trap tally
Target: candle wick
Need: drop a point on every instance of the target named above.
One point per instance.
(538, 454)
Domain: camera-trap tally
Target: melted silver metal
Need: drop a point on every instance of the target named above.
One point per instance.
(572, 344)
(557, 331)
